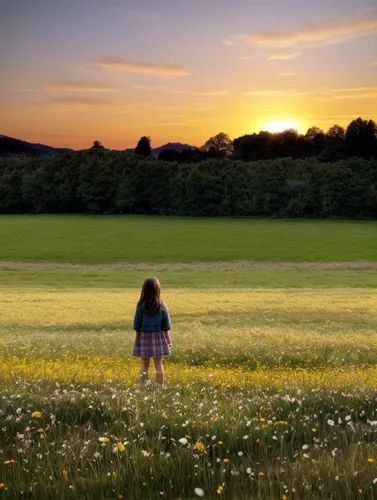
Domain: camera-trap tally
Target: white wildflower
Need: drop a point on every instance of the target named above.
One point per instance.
(199, 492)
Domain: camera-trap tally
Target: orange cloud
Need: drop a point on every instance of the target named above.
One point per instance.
(276, 93)
(63, 86)
(312, 35)
(215, 93)
(283, 57)
(82, 101)
(140, 67)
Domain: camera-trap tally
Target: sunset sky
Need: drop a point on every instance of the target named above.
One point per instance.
(77, 70)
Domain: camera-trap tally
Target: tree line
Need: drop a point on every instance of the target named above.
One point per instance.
(358, 139)
(102, 181)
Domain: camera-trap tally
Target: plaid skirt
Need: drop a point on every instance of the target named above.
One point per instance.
(152, 344)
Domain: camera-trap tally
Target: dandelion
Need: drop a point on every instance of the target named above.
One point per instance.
(199, 492)
(226, 460)
(284, 497)
(371, 460)
(260, 474)
(2, 485)
(314, 429)
(103, 439)
(257, 440)
(36, 414)
(65, 472)
(220, 443)
(50, 478)
(199, 446)
(219, 489)
(187, 436)
(121, 447)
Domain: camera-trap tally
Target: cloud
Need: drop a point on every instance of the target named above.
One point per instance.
(373, 63)
(366, 92)
(150, 87)
(311, 35)
(276, 93)
(140, 67)
(215, 93)
(283, 57)
(63, 86)
(289, 73)
(77, 101)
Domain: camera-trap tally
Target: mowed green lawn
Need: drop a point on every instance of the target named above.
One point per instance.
(85, 239)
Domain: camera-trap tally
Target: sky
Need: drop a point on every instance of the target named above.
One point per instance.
(75, 71)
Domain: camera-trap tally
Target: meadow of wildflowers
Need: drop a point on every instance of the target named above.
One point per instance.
(269, 394)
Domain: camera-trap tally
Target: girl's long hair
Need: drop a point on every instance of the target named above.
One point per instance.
(150, 301)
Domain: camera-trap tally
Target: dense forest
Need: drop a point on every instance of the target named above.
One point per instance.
(114, 182)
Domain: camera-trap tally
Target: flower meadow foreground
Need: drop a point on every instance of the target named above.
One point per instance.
(257, 405)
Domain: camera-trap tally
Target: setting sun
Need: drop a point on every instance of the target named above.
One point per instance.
(281, 125)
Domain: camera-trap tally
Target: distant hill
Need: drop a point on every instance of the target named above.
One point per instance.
(176, 146)
(9, 146)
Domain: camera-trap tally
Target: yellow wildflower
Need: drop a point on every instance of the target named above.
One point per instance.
(121, 447)
(65, 472)
(199, 446)
(314, 429)
(257, 440)
(226, 460)
(36, 414)
(260, 474)
(40, 430)
(2, 485)
(220, 443)
(50, 478)
(371, 460)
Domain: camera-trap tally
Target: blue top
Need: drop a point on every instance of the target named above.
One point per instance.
(144, 322)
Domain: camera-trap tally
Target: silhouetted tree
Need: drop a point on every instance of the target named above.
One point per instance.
(218, 146)
(143, 147)
(97, 146)
(361, 137)
(336, 132)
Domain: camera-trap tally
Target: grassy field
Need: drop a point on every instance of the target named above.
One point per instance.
(271, 390)
(111, 239)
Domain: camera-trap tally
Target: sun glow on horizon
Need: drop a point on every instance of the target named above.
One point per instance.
(276, 126)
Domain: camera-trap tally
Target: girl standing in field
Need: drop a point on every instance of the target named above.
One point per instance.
(152, 325)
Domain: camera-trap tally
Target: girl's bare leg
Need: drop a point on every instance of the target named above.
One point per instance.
(143, 374)
(159, 370)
